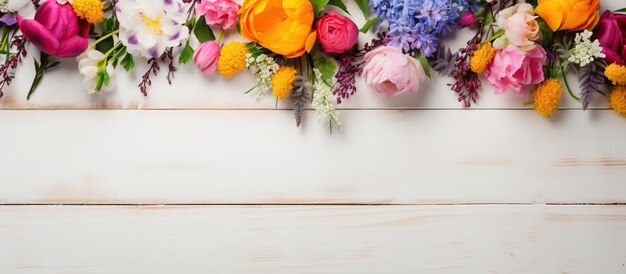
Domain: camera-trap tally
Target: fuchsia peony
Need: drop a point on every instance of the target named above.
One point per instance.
(336, 33)
(390, 72)
(219, 13)
(206, 55)
(56, 30)
(611, 32)
(513, 68)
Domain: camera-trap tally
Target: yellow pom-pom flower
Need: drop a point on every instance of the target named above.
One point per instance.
(89, 10)
(282, 82)
(546, 96)
(617, 99)
(482, 58)
(616, 74)
(232, 59)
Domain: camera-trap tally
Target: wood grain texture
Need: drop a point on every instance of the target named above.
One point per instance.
(382, 157)
(313, 239)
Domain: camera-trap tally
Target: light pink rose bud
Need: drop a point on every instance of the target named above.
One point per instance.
(206, 55)
(219, 13)
(390, 72)
(467, 19)
(336, 32)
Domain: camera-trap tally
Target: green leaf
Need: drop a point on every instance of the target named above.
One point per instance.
(40, 69)
(186, 55)
(103, 78)
(128, 62)
(368, 25)
(202, 31)
(109, 25)
(318, 6)
(532, 2)
(424, 63)
(117, 54)
(364, 5)
(326, 66)
(496, 35)
(546, 33)
(621, 10)
(339, 4)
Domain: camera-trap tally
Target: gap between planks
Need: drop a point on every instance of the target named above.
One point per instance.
(311, 204)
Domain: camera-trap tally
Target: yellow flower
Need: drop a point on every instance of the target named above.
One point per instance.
(282, 26)
(89, 10)
(546, 96)
(571, 15)
(617, 99)
(232, 59)
(282, 82)
(616, 74)
(482, 57)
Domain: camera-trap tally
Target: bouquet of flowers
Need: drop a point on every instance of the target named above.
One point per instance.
(306, 51)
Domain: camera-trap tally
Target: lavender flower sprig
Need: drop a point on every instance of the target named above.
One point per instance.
(466, 82)
(145, 79)
(591, 79)
(351, 65)
(6, 75)
(300, 96)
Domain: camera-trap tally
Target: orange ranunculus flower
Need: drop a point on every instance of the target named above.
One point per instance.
(571, 15)
(282, 26)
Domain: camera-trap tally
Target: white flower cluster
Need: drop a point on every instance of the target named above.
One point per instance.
(585, 51)
(12, 5)
(324, 102)
(264, 68)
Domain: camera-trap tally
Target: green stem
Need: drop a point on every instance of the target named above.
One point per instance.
(219, 36)
(569, 90)
(106, 55)
(93, 45)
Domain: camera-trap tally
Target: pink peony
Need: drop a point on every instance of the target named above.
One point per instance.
(56, 30)
(390, 72)
(219, 13)
(519, 25)
(336, 32)
(513, 68)
(206, 55)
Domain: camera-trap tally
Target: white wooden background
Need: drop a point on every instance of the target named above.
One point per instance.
(200, 178)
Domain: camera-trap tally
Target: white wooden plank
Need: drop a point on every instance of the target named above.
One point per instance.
(425, 157)
(62, 89)
(317, 239)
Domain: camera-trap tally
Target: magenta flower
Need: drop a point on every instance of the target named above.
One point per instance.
(56, 30)
(611, 32)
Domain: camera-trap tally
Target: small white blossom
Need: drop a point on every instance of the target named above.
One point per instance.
(324, 102)
(88, 65)
(585, 51)
(264, 68)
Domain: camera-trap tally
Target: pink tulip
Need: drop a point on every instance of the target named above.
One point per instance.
(390, 72)
(336, 32)
(467, 19)
(206, 56)
(513, 68)
(56, 30)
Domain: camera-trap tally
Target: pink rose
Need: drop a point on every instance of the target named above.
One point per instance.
(336, 32)
(219, 13)
(513, 68)
(390, 72)
(611, 32)
(519, 25)
(56, 30)
(206, 55)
